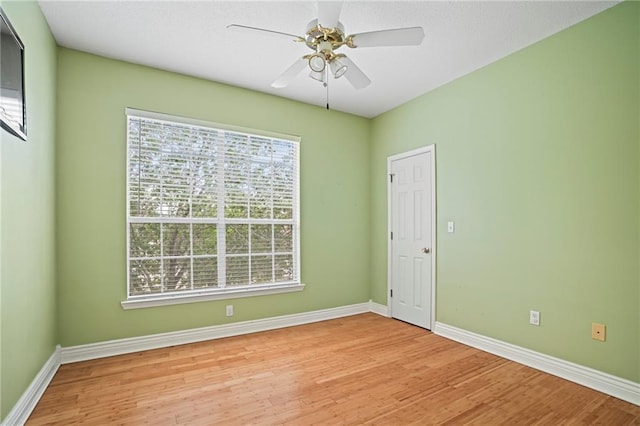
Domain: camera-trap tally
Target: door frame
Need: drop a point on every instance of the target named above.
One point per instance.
(425, 149)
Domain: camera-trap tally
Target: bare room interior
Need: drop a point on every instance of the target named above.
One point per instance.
(303, 212)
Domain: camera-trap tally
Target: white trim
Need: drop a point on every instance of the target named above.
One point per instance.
(169, 118)
(378, 308)
(425, 149)
(434, 239)
(31, 396)
(163, 340)
(606, 383)
(226, 293)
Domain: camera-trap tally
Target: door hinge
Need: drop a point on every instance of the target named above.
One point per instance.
(391, 175)
(391, 292)
(391, 235)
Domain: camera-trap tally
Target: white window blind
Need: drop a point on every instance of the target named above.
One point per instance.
(210, 209)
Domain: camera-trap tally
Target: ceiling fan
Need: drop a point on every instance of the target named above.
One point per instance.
(324, 36)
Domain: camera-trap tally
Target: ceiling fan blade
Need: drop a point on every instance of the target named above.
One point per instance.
(411, 36)
(245, 28)
(329, 13)
(356, 77)
(289, 74)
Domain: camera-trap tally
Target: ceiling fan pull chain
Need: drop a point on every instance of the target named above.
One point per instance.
(326, 84)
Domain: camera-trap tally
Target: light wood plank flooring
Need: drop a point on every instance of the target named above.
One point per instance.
(364, 369)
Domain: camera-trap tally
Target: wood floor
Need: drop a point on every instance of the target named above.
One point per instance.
(364, 369)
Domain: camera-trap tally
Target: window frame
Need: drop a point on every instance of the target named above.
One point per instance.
(190, 296)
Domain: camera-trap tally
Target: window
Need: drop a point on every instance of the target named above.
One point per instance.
(212, 211)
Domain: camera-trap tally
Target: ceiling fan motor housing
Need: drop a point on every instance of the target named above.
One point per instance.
(319, 38)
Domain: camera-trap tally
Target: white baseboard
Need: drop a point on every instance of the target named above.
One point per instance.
(606, 383)
(163, 340)
(379, 309)
(29, 399)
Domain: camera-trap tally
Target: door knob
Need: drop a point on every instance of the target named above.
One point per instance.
(426, 250)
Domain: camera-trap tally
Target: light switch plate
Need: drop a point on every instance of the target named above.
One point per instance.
(450, 227)
(534, 317)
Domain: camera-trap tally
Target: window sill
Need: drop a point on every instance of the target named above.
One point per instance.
(227, 293)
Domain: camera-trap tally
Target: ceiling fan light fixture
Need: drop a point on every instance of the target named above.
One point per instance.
(318, 75)
(317, 62)
(338, 68)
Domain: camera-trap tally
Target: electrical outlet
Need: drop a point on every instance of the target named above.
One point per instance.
(598, 331)
(534, 317)
(229, 310)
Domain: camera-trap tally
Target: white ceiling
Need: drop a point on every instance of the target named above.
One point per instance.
(191, 37)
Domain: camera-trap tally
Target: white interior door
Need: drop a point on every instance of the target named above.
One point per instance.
(411, 245)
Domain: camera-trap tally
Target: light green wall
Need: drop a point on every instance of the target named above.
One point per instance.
(537, 164)
(27, 284)
(93, 93)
